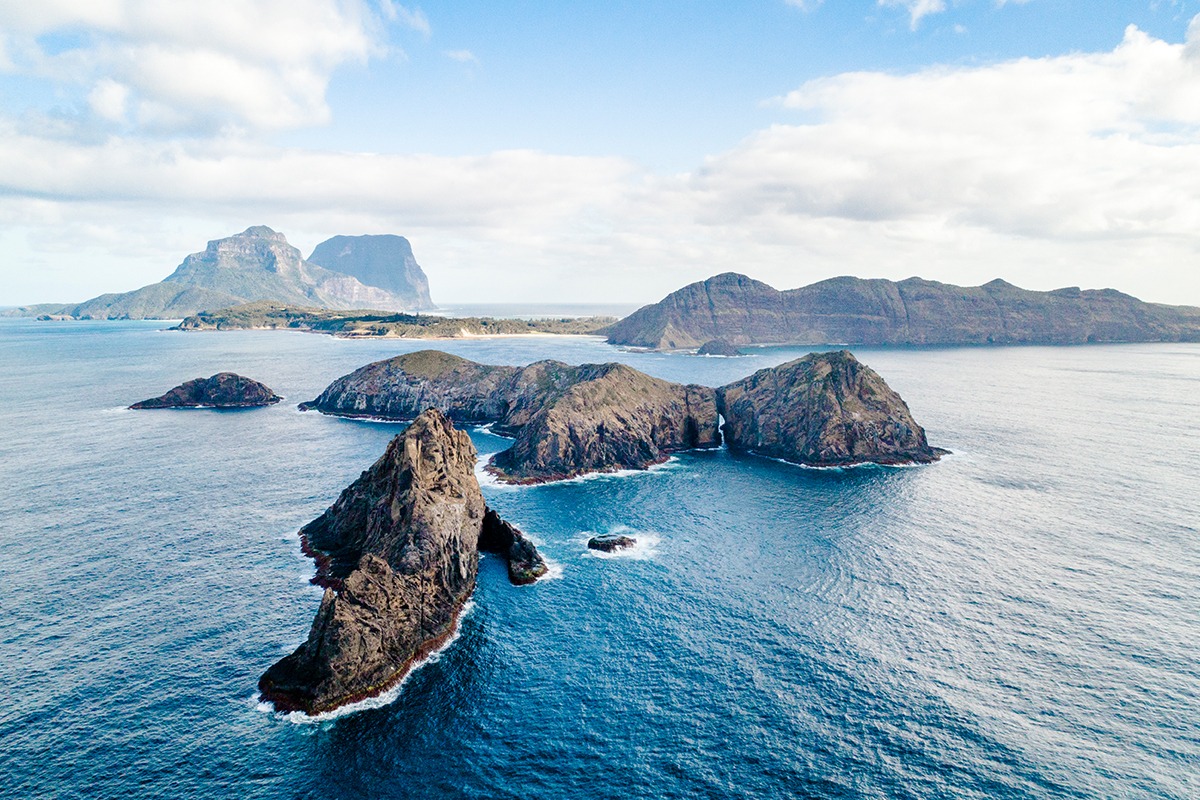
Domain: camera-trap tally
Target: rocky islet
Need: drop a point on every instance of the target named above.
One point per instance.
(223, 390)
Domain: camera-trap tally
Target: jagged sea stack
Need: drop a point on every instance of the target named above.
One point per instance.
(826, 409)
(398, 556)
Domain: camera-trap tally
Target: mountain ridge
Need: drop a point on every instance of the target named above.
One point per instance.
(877, 311)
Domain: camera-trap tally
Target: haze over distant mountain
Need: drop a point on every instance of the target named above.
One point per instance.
(847, 310)
(259, 264)
(383, 260)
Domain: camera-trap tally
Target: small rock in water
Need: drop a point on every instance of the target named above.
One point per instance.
(611, 542)
(718, 347)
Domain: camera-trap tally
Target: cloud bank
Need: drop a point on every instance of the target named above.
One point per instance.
(1080, 169)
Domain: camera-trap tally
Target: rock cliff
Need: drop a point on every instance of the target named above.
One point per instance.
(398, 555)
(566, 420)
(849, 310)
(223, 390)
(826, 409)
(385, 261)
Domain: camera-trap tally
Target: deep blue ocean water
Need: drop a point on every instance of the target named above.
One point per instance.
(1021, 620)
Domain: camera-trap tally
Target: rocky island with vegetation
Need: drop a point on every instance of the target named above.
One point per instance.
(223, 390)
(258, 265)
(826, 409)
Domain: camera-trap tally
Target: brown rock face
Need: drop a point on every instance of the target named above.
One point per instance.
(613, 418)
(567, 420)
(909, 312)
(398, 556)
(826, 409)
(223, 390)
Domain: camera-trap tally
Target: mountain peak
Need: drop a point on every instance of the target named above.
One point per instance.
(263, 232)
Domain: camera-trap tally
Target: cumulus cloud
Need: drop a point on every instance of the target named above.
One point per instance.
(261, 64)
(1079, 169)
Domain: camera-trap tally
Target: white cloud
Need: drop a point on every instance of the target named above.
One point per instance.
(1080, 169)
(109, 100)
(462, 56)
(805, 5)
(249, 63)
(917, 9)
(413, 18)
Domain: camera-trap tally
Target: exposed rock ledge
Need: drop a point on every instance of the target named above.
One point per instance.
(223, 390)
(397, 555)
(826, 409)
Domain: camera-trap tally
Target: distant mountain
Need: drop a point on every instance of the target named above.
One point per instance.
(848, 310)
(384, 260)
(257, 264)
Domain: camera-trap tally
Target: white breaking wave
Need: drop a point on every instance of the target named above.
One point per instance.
(645, 548)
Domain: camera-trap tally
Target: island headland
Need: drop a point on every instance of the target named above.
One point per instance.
(398, 554)
(826, 409)
(223, 390)
(258, 264)
(854, 311)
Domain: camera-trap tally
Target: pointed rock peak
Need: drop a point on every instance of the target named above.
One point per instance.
(999, 283)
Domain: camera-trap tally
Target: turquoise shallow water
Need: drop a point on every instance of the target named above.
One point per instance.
(1020, 620)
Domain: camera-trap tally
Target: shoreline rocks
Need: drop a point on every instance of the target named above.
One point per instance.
(223, 390)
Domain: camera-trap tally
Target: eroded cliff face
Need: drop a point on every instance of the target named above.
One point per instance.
(223, 390)
(826, 409)
(567, 420)
(613, 417)
(398, 554)
(850, 310)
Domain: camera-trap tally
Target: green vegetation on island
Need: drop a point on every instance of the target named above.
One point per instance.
(382, 324)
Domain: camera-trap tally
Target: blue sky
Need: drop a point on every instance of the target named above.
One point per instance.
(607, 151)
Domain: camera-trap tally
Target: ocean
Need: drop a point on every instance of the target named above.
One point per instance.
(1020, 620)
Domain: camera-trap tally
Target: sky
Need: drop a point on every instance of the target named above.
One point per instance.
(611, 152)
